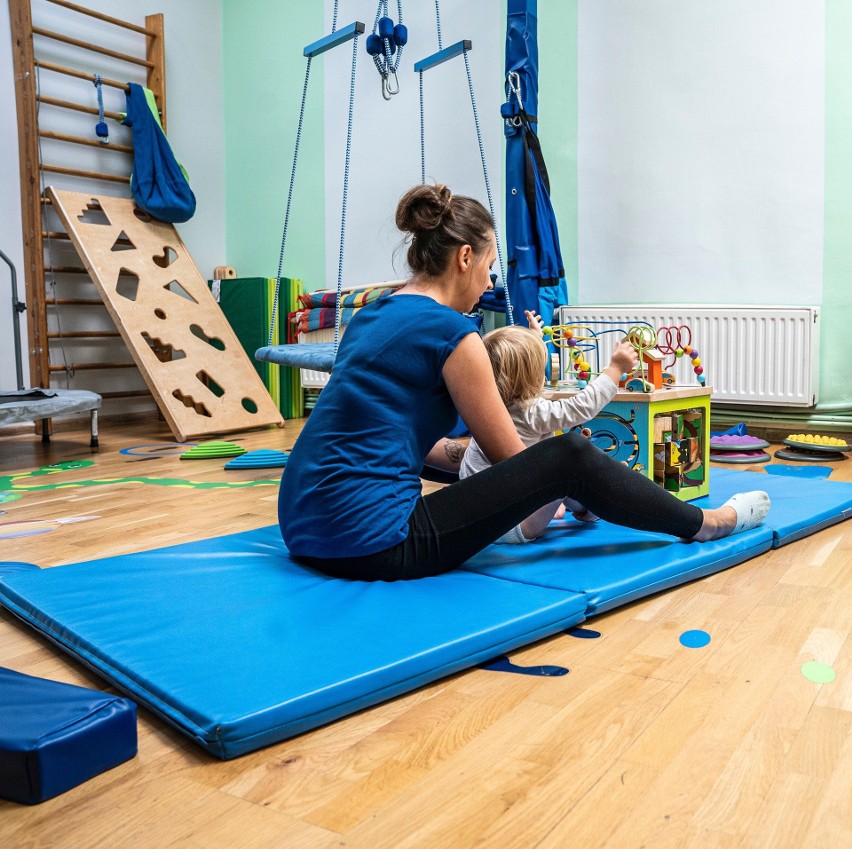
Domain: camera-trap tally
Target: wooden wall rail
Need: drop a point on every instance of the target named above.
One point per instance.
(54, 150)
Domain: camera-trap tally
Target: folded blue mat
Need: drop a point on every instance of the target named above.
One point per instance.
(54, 736)
(238, 647)
(612, 565)
(800, 507)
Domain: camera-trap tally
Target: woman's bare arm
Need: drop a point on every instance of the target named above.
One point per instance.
(470, 381)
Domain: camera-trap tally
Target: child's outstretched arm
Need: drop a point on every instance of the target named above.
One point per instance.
(624, 360)
(534, 321)
(545, 416)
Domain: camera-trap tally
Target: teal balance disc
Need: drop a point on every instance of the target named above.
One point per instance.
(261, 459)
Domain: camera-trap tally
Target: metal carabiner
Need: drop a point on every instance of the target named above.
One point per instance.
(513, 79)
(391, 89)
(386, 94)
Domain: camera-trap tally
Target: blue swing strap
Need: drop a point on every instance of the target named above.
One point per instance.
(461, 48)
(295, 355)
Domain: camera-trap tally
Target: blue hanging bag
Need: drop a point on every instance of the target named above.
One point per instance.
(159, 183)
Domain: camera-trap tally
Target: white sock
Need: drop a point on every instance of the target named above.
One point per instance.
(513, 537)
(751, 509)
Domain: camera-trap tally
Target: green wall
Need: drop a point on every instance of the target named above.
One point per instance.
(558, 108)
(835, 385)
(263, 72)
(557, 129)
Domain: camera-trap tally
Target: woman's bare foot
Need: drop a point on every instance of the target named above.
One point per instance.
(742, 512)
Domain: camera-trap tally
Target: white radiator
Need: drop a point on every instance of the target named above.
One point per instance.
(309, 378)
(751, 355)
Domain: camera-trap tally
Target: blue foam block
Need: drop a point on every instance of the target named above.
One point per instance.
(239, 647)
(800, 507)
(55, 736)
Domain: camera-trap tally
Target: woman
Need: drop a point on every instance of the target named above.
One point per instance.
(350, 503)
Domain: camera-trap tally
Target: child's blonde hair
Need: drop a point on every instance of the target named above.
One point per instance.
(518, 357)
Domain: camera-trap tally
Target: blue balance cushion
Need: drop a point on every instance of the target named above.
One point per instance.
(55, 736)
(238, 647)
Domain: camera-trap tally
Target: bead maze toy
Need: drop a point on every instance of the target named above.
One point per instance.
(654, 424)
(659, 349)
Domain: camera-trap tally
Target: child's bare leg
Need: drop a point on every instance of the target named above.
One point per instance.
(534, 526)
(579, 511)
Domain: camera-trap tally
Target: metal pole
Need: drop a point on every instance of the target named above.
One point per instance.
(17, 308)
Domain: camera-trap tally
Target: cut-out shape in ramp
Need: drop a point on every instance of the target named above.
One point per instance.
(248, 405)
(93, 214)
(210, 383)
(176, 289)
(212, 341)
(123, 243)
(191, 403)
(168, 256)
(164, 351)
(127, 284)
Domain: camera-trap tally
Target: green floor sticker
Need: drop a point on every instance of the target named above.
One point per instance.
(819, 673)
(13, 486)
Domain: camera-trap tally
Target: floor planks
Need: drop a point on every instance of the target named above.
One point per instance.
(643, 743)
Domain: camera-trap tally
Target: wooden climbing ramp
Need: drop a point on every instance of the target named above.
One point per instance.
(200, 376)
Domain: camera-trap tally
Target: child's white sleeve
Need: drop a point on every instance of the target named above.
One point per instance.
(546, 416)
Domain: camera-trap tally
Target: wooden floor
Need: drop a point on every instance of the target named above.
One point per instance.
(644, 743)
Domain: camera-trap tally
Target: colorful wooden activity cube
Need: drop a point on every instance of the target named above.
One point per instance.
(662, 434)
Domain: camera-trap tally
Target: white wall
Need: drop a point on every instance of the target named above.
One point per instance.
(193, 37)
(386, 134)
(701, 151)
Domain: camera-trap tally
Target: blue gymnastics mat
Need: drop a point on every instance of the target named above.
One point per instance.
(800, 506)
(612, 565)
(238, 647)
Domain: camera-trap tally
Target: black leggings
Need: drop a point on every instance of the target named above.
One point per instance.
(452, 524)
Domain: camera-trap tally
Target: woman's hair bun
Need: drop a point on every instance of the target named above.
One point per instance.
(424, 208)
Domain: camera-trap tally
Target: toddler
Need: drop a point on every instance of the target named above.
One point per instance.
(519, 357)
